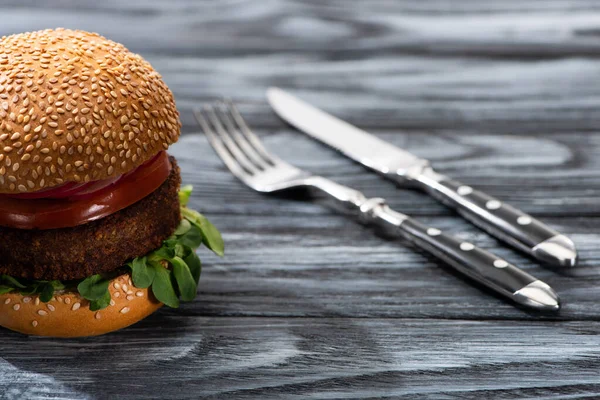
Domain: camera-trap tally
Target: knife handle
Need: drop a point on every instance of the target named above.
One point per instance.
(478, 264)
(500, 220)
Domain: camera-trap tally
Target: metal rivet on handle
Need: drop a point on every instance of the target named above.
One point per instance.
(434, 232)
(465, 190)
(493, 205)
(466, 246)
(524, 220)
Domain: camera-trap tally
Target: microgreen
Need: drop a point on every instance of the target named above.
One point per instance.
(142, 273)
(184, 195)
(211, 237)
(172, 271)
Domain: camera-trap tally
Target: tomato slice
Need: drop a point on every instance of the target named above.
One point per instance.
(55, 192)
(75, 204)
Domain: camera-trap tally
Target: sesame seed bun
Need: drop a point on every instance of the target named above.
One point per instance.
(69, 315)
(77, 107)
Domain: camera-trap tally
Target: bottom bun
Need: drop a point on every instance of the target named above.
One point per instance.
(69, 315)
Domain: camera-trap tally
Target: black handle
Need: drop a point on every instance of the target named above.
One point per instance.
(501, 220)
(478, 264)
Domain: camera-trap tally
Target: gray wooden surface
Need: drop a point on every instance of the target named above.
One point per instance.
(307, 303)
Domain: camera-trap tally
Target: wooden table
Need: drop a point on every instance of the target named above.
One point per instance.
(308, 303)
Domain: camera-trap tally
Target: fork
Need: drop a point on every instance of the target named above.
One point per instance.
(245, 156)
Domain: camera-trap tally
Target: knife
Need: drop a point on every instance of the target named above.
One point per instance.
(501, 220)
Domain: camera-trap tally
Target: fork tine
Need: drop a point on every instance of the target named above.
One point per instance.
(229, 143)
(248, 134)
(219, 148)
(250, 152)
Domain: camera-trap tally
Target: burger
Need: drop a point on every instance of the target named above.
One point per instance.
(95, 229)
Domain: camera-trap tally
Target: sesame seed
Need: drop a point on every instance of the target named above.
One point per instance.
(139, 293)
(17, 307)
(74, 87)
(7, 301)
(42, 312)
(51, 307)
(34, 323)
(130, 297)
(124, 310)
(26, 300)
(76, 306)
(98, 316)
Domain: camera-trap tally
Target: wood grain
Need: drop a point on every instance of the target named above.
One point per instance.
(340, 358)
(308, 303)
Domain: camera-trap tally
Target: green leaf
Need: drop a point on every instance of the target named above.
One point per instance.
(100, 303)
(58, 285)
(47, 292)
(185, 281)
(94, 287)
(5, 289)
(162, 287)
(211, 237)
(164, 253)
(10, 281)
(183, 227)
(184, 194)
(33, 288)
(193, 262)
(180, 250)
(141, 273)
(171, 242)
(192, 238)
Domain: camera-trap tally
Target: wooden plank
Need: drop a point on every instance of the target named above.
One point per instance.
(511, 68)
(307, 303)
(170, 356)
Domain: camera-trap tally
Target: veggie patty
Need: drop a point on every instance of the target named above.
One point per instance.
(96, 247)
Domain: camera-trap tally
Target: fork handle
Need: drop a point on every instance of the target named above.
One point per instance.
(476, 263)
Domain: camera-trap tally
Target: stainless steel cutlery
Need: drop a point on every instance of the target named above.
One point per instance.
(499, 219)
(245, 156)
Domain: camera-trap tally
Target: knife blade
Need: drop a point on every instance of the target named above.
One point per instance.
(507, 223)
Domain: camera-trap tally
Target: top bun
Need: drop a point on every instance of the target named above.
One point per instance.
(77, 107)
